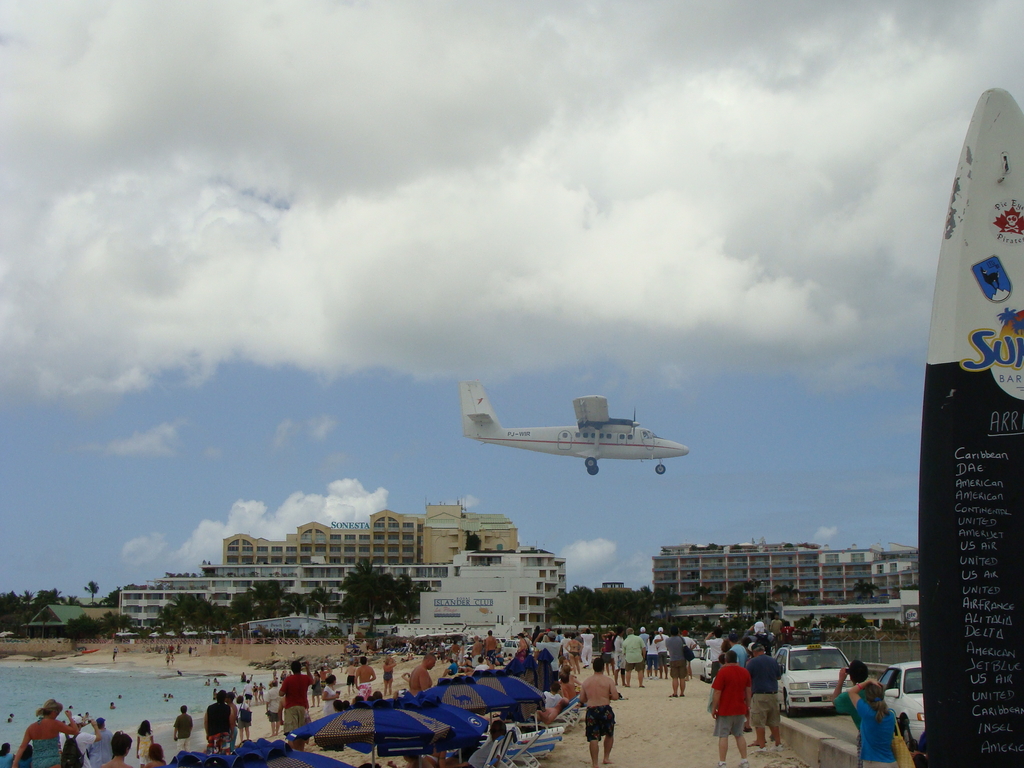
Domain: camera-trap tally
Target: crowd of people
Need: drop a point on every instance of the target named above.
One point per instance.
(743, 698)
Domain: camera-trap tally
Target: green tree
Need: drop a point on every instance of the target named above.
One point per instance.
(736, 598)
(322, 598)
(267, 598)
(702, 594)
(243, 608)
(784, 592)
(373, 595)
(578, 606)
(81, 627)
(295, 603)
(113, 599)
(472, 541)
(864, 588)
(111, 623)
(665, 599)
(92, 588)
(830, 622)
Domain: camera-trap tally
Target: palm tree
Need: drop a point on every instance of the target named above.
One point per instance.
(362, 592)
(702, 594)
(268, 598)
(92, 588)
(322, 598)
(295, 603)
(864, 588)
(243, 608)
(665, 599)
(782, 592)
(578, 606)
(115, 622)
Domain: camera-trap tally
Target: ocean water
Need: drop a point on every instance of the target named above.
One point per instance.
(137, 694)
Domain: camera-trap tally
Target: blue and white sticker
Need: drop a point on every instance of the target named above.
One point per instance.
(992, 279)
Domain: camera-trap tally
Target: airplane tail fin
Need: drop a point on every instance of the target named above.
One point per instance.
(478, 417)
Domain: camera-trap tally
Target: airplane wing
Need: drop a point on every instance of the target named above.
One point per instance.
(592, 409)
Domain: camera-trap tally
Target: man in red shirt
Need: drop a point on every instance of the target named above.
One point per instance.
(293, 694)
(729, 706)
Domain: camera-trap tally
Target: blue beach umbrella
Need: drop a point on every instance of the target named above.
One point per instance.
(526, 696)
(377, 724)
(465, 692)
(467, 728)
(259, 754)
(509, 684)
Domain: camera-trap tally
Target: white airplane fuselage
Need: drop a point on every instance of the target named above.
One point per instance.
(594, 436)
(597, 443)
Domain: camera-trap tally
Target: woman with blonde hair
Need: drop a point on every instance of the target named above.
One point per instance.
(877, 725)
(45, 735)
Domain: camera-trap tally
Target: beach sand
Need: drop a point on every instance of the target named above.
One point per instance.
(651, 729)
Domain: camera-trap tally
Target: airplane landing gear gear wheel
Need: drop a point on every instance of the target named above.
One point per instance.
(660, 469)
(592, 470)
(591, 465)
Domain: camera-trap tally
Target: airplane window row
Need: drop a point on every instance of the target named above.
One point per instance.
(604, 436)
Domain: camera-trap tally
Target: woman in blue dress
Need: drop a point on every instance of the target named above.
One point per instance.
(44, 734)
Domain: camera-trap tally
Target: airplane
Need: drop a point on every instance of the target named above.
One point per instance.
(593, 437)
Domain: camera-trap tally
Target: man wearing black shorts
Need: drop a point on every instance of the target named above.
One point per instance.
(597, 693)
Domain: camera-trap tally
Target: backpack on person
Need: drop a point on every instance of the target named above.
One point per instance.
(71, 755)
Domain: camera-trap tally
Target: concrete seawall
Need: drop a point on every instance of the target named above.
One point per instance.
(817, 749)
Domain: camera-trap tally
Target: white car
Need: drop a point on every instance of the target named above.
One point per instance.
(904, 693)
(809, 675)
(700, 666)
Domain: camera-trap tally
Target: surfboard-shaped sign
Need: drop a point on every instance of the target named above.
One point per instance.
(972, 457)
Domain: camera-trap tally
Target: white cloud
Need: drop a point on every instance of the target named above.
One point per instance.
(345, 501)
(334, 460)
(587, 561)
(142, 551)
(284, 433)
(759, 192)
(320, 427)
(161, 440)
(213, 453)
(316, 428)
(825, 534)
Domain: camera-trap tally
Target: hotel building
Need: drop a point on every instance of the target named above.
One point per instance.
(819, 573)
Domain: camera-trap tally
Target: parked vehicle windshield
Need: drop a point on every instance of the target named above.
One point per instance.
(822, 658)
(912, 682)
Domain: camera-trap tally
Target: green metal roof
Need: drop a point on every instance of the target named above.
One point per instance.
(56, 615)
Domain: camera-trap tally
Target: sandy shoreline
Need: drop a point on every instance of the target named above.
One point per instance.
(651, 728)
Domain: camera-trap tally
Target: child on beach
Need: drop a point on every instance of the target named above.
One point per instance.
(145, 741)
(350, 676)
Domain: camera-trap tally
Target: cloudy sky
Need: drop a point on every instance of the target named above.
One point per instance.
(248, 249)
